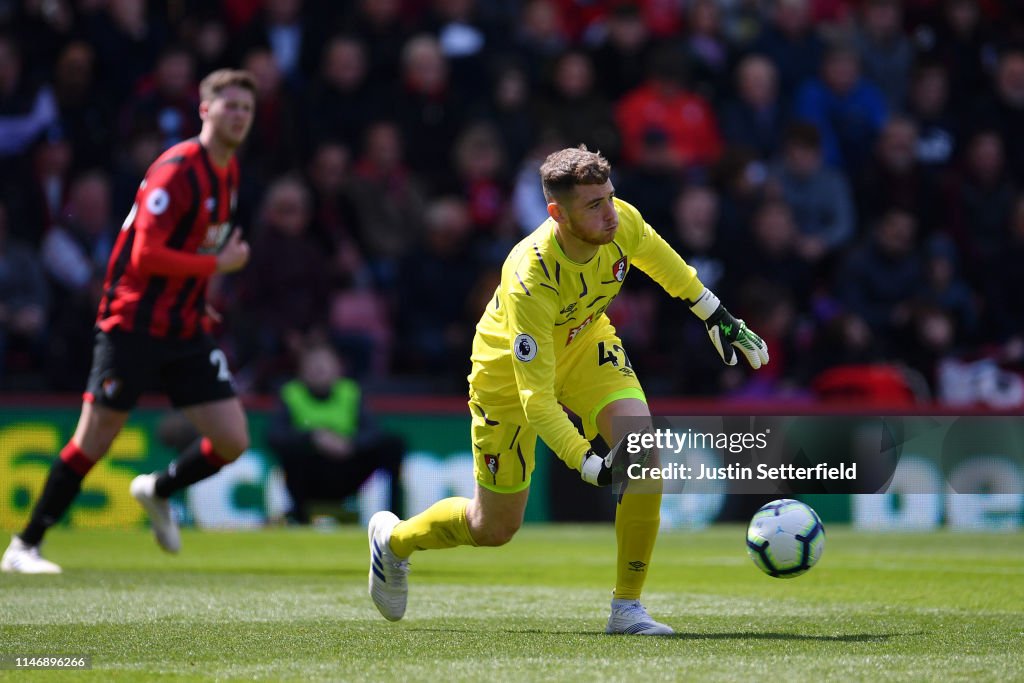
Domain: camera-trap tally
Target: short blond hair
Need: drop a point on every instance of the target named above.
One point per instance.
(216, 81)
(563, 170)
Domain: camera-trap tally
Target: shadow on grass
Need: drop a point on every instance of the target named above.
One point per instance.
(738, 635)
(757, 635)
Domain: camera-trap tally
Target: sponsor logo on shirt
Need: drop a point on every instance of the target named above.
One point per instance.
(579, 328)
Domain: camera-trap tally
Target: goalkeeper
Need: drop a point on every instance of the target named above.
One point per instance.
(544, 342)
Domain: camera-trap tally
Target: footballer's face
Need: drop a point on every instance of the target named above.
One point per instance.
(230, 114)
(589, 214)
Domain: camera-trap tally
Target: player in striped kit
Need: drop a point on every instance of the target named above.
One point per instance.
(150, 331)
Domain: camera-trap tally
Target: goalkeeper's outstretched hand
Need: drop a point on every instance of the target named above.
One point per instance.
(728, 333)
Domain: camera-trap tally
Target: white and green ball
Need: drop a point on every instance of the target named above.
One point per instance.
(785, 538)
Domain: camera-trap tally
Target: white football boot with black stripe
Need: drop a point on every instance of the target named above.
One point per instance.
(20, 558)
(630, 618)
(161, 516)
(389, 586)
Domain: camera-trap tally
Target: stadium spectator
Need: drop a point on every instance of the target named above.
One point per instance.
(709, 54)
(29, 108)
(324, 438)
(1003, 109)
(818, 194)
(481, 179)
(653, 181)
(87, 119)
(962, 42)
(464, 40)
(884, 50)
(24, 298)
(878, 280)
(938, 129)
(894, 178)
(381, 26)
(74, 254)
(435, 340)
(150, 325)
(664, 105)
(848, 110)
(575, 109)
(275, 141)
(165, 100)
(128, 40)
(342, 100)
(335, 223)
(428, 109)
(43, 189)
(694, 234)
(293, 32)
(540, 35)
(791, 42)
(622, 56)
(286, 284)
(983, 202)
(945, 289)
(511, 108)
(1004, 317)
(756, 118)
(774, 256)
(388, 201)
(528, 205)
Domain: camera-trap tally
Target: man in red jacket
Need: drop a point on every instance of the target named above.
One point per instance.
(150, 326)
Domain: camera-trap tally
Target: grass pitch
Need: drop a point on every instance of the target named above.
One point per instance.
(292, 605)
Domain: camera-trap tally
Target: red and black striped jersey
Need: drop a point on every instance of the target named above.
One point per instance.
(167, 250)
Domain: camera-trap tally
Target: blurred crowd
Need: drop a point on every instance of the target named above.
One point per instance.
(845, 174)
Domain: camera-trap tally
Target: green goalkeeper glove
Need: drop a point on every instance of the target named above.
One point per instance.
(727, 332)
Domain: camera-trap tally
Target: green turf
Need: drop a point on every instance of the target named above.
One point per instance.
(292, 605)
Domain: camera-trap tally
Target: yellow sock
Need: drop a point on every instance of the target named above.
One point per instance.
(442, 525)
(637, 517)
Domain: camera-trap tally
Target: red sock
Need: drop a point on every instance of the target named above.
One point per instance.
(206, 448)
(76, 459)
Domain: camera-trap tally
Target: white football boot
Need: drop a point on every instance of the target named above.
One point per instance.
(20, 558)
(389, 586)
(630, 618)
(161, 517)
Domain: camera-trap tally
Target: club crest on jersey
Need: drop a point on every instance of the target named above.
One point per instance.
(492, 463)
(525, 348)
(619, 269)
(216, 233)
(579, 328)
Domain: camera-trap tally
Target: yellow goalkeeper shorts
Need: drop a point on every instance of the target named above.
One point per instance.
(588, 378)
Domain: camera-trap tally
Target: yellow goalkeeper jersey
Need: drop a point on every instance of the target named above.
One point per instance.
(547, 304)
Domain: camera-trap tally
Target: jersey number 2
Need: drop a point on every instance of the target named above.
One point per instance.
(220, 361)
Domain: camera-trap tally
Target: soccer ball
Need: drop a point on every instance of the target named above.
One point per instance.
(785, 538)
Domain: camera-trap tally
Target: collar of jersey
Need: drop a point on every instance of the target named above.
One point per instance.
(565, 260)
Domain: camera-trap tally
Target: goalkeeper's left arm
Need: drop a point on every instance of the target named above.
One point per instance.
(660, 261)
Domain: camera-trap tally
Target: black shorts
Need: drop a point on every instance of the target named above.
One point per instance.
(125, 364)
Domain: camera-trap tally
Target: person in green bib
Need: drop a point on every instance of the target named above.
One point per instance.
(323, 438)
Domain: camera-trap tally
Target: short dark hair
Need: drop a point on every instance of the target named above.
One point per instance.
(216, 81)
(803, 134)
(563, 170)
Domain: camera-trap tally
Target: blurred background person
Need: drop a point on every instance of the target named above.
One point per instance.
(324, 439)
